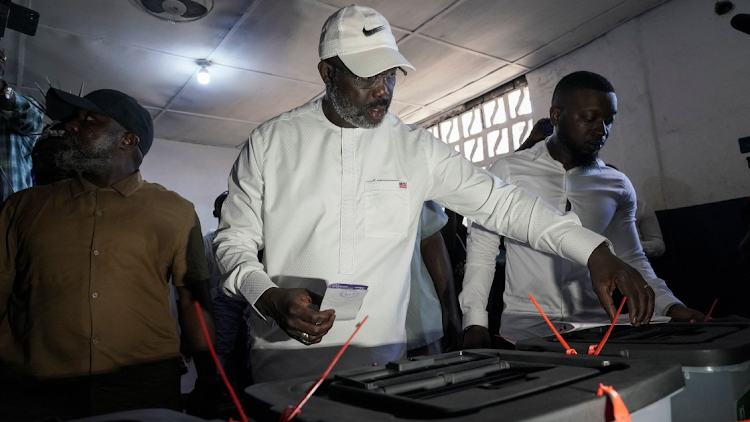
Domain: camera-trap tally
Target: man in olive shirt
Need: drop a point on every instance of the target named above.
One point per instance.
(84, 275)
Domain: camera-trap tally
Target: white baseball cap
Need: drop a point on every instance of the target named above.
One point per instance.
(362, 39)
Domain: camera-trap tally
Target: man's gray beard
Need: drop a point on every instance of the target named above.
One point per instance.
(95, 160)
(345, 109)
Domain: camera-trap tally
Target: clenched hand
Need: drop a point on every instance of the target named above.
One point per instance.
(289, 308)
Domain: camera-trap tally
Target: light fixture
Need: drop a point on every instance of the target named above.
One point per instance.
(203, 76)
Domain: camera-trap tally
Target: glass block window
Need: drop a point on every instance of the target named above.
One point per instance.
(489, 130)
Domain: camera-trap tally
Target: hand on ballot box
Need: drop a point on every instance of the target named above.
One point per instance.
(681, 313)
(609, 272)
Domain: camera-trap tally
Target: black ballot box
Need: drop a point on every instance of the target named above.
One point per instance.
(478, 385)
(715, 361)
(145, 415)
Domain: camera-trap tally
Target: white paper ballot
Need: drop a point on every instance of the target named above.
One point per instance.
(345, 299)
(623, 319)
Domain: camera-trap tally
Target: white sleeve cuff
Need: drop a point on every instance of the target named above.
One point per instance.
(253, 287)
(480, 318)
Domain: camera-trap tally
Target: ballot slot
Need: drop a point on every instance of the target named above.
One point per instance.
(411, 369)
(672, 333)
(452, 385)
(699, 344)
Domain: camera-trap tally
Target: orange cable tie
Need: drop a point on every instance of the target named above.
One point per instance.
(216, 361)
(506, 338)
(619, 410)
(291, 411)
(568, 350)
(708, 315)
(598, 348)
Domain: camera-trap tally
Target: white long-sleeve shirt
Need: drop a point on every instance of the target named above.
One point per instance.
(335, 205)
(604, 200)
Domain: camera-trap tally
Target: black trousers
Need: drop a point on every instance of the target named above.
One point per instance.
(142, 386)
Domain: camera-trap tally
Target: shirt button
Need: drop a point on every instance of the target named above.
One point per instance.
(95, 341)
(98, 213)
(95, 295)
(96, 252)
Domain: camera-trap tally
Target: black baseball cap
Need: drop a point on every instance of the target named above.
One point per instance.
(121, 107)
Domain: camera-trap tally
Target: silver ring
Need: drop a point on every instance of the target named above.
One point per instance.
(305, 338)
(648, 286)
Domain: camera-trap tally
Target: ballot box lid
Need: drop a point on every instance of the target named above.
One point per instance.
(474, 385)
(690, 344)
(144, 415)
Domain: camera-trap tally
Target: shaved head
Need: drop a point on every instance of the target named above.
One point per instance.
(577, 81)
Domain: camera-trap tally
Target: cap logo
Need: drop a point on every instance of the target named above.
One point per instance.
(369, 32)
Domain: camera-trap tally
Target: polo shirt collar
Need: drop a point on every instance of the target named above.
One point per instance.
(125, 186)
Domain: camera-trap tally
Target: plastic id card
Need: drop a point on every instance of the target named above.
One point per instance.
(345, 299)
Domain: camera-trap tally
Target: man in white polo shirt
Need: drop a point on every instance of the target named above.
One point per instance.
(333, 191)
(565, 171)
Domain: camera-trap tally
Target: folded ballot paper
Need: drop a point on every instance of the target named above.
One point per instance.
(623, 319)
(345, 299)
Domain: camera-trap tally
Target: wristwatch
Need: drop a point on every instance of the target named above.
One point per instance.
(8, 92)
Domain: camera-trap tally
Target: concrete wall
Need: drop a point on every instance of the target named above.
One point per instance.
(682, 77)
(197, 172)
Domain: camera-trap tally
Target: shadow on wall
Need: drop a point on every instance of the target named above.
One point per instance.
(702, 261)
(655, 188)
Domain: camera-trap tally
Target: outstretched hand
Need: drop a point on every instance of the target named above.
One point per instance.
(607, 272)
(681, 313)
(290, 309)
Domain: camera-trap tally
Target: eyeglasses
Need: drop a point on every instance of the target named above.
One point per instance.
(392, 77)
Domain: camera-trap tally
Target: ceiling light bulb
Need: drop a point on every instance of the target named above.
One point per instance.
(203, 76)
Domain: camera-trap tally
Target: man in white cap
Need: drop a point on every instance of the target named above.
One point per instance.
(333, 191)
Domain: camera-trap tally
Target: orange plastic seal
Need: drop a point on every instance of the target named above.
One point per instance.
(619, 409)
(288, 413)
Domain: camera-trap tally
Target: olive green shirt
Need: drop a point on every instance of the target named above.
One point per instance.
(88, 269)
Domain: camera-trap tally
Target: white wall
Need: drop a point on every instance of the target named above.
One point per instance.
(682, 78)
(197, 172)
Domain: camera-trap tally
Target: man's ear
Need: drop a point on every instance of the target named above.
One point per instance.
(555, 114)
(130, 140)
(326, 72)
